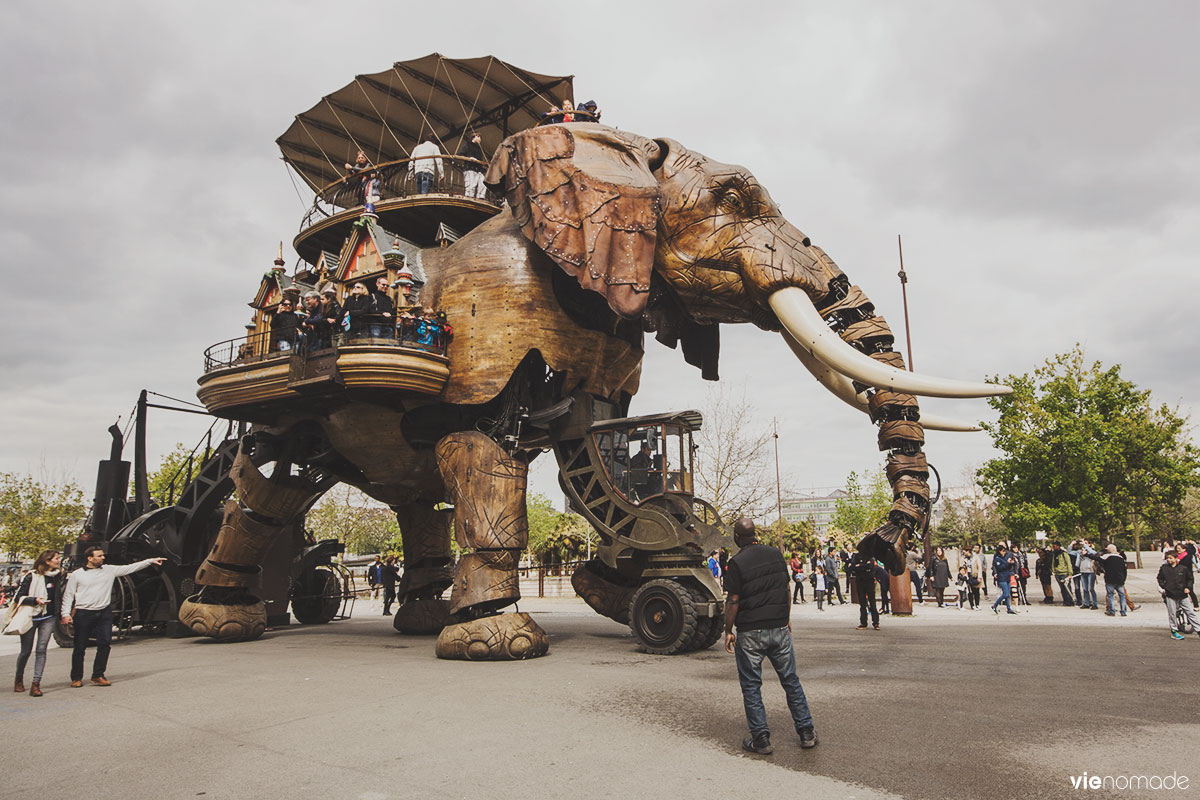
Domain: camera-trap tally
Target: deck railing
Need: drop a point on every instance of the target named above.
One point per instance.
(399, 179)
(257, 347)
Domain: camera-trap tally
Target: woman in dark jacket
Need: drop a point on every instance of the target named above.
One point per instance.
(939, 572)
(360, 305)
(284, 325)
(1041, 569)
(42, 589)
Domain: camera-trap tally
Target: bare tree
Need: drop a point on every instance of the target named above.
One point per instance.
(345, 513)
(731, 461)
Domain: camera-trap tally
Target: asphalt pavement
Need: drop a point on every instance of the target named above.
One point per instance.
(945, 704)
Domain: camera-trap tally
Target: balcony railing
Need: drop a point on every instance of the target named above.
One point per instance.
(408, 334)
(398, 179)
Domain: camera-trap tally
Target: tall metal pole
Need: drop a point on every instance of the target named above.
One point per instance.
(908, 340)
(141, 488)
(778, 489)
(904, 294)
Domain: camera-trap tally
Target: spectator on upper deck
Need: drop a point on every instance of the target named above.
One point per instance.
(360, 306)
(314, 327)
(284, 325)
(472, 171)
(331, 310)
(590, 107)
(366, 172)
(425, 165)
(360, 165)
(384, 325)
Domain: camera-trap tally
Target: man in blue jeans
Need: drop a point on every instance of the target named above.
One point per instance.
(758, 605)
(87, 602)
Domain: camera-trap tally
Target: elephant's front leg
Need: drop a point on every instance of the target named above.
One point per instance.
(487, 487)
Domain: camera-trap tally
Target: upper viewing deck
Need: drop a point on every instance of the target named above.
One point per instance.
(454, 194)
(418, 117)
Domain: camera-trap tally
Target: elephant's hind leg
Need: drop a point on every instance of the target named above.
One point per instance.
(425, 534)
(487, 487)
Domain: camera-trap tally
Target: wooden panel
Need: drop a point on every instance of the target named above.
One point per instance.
(495, 289)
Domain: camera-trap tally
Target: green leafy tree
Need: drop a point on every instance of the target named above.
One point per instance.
(38, 515)
(798, 537)
(556, 536)
(865, 506)
(364, 525)
(1085, 452)
(1172, 523)
(951, 531)
(172, 467)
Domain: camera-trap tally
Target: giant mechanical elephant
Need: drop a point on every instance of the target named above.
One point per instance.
(606, 236)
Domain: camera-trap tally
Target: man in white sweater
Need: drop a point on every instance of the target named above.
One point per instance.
(87, 602)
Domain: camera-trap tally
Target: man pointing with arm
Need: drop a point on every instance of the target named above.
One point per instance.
(89, 593)
(758, 605)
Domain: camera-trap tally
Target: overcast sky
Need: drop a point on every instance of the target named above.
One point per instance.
(1041, 161)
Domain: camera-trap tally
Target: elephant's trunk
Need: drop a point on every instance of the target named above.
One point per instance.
(849, 350)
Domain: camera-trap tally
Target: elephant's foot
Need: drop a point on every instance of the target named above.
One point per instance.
(225, 621)
(600, 588)
(421, 617)
(889, 544)
(501, 637)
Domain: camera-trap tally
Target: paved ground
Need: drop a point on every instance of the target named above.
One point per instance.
(947, 704)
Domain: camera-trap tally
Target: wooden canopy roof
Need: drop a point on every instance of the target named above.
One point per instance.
(388, 113)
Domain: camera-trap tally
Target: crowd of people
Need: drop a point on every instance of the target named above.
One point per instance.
(365, 314)
(964, 578)
(586, 111)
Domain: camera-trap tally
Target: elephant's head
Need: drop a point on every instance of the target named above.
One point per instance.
(684, 243)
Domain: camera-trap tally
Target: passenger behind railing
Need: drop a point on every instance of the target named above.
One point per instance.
(360, 309)
(425, 165)
(323, 319)
(472, 171)
(284, 327)
(408, 326)
(568, 111)
(384, 324)
(313, 328)
(590, 108)
(445, 332)
(363, 168)
(423, 329)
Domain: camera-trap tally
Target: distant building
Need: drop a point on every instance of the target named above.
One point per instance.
(817, 509)
(964, 498)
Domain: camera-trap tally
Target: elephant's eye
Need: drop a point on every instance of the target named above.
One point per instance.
(730, 200)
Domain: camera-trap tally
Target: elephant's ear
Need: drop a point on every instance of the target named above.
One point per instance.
(585, 195)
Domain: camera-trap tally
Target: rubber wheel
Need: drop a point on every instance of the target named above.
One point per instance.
(662, 616)
(708, 629)
(319, 597)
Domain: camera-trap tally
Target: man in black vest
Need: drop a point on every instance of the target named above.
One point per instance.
(758, 604)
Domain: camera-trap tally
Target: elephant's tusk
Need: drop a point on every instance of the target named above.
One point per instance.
(843, 389)
(798, 316)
